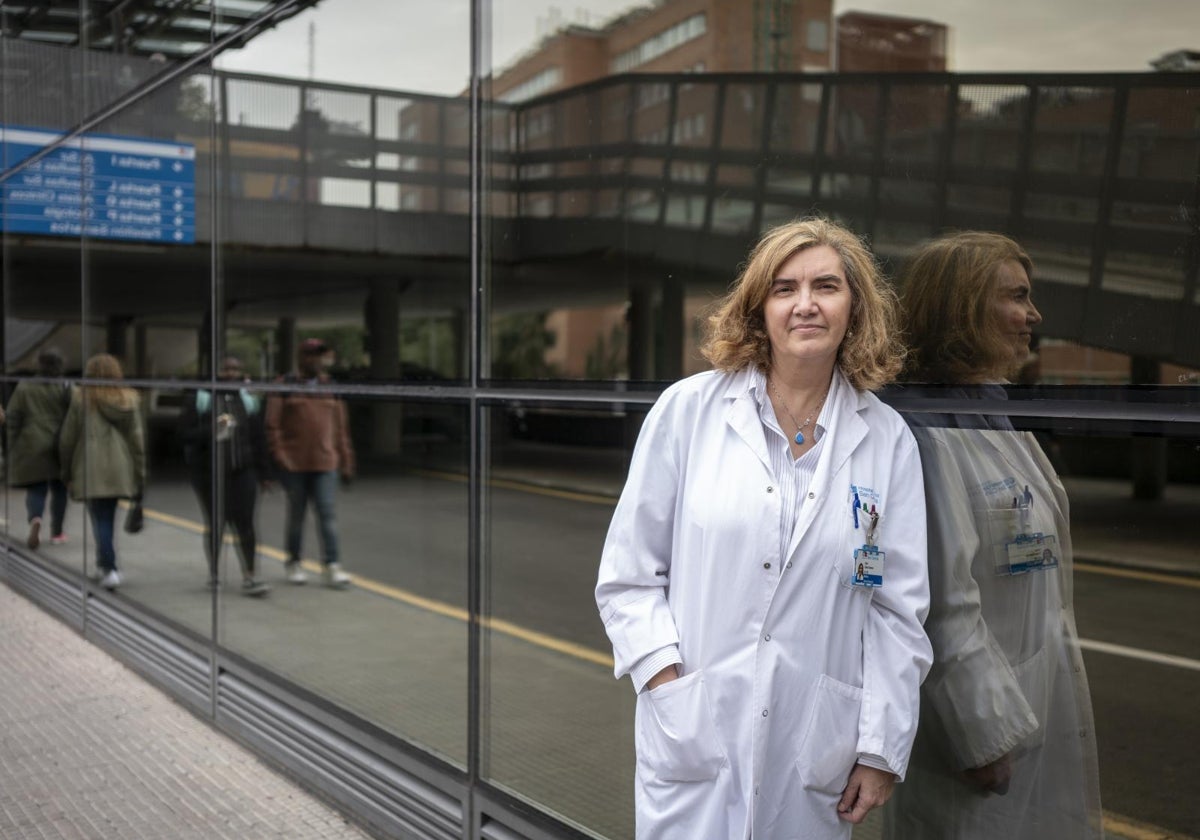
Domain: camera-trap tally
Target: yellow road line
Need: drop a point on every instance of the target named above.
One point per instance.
(1135, 574)
(496, 625)
(1125, 828)
(543, 640)
(525, 487)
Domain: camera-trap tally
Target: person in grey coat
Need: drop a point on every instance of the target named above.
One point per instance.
(103, 454)
(35, 415)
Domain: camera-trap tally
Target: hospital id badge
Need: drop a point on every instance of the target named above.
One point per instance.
(1029, 553)
(868, 567)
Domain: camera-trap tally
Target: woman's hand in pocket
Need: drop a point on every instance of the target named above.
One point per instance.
(666, 675)
(993, 777)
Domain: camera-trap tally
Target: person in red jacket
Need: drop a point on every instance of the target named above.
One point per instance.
(309, 439)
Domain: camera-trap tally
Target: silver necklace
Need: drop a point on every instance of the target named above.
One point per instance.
(799, 438)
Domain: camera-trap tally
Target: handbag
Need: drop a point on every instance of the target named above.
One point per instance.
(135, 518)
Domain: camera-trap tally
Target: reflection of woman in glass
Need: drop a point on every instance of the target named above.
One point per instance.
(775, 698)
(103, 455)
(1006, 746)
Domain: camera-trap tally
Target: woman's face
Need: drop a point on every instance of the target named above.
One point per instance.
(1011, 311)
(807, 311)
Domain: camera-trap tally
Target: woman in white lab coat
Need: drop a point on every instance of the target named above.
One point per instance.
(1006, 746)
(777, 689)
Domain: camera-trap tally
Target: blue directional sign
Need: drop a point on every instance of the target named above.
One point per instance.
(104, 186)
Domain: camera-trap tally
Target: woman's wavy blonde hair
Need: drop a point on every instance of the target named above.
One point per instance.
(105, 366)
(945, 297)
(871, 354)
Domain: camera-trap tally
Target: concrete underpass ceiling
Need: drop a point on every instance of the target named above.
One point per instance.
(165, 284)
(172, 286)
(137, 27)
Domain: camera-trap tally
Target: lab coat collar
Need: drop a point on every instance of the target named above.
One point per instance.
(843, 425)
(742, 413)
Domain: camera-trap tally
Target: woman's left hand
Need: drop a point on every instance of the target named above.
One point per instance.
(867, 788)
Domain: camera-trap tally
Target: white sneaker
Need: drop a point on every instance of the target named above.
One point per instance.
(334, 577)
(294, 573)
(111, 580)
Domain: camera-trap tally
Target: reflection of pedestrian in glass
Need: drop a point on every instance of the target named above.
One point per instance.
(103, 455)
(242, 462)
(309, 437)
(1006, 745)
(35, 415)
(775, 699)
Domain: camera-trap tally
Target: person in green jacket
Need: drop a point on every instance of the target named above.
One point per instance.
(35, 414)
(103, 455)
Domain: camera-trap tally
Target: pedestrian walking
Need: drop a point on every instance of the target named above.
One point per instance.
(308, 436)
(35, 416)
(232, 421)
(103, 455)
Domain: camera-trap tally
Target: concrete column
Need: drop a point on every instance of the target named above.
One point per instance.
(114, 337)
(669, 364)
(141, 365)
(382, 317)
(285, 344)
(640, 317)
(1148, 455)
(460, 323)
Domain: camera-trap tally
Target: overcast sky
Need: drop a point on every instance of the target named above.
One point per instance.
(420, 45)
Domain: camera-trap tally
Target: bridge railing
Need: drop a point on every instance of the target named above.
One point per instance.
(1095, 174)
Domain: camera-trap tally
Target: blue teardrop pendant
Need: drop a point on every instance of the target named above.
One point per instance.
(799, 438)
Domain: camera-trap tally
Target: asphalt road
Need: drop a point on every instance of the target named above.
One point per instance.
(410, 532)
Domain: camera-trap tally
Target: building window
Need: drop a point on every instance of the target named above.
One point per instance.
(686, 30)
(818, 36)
(543, 82)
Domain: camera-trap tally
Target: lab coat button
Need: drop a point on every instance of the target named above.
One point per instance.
(764, 712)
(789, 564)
(770, 489)
(767, 637)
(812, 495)
(766, 565)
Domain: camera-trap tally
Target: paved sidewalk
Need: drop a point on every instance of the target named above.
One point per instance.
(90, 751)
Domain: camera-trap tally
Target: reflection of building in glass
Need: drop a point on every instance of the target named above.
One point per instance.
(672, 36)
(870, 43)
(677, 36)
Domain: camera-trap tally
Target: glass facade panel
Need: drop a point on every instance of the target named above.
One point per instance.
(390, 646)
(559, 728)
(333, 237)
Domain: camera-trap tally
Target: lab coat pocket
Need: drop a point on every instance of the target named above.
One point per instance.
(829, 746)
(1034, 681)
(676, 738)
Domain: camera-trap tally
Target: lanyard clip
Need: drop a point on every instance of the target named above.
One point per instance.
(872, 526)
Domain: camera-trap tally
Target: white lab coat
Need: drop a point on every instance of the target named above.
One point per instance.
(787, 676)
(1008, 675)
